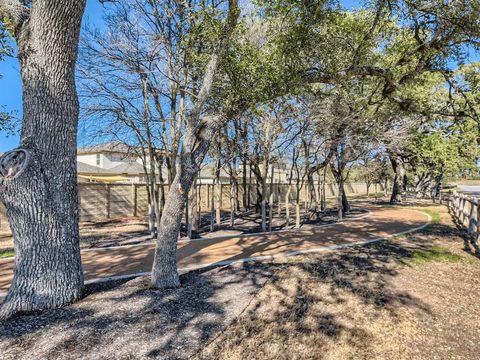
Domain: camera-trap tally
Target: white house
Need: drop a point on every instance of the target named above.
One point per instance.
(117, 162)
(109, 162)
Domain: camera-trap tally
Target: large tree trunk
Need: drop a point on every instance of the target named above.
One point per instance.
(218, 195)
(287, 206)
(342, 200)
(323, 201)
(264, 204)
(42, 200)
(246, 201)
(298, 219)
(164, 272)
(198, 134)
(345, 202)
(398, 181)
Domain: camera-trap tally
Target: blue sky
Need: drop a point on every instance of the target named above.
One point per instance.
(10, 83)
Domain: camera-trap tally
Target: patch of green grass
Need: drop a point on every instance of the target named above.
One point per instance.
(435, 253)
(6, 254)
(435, 215)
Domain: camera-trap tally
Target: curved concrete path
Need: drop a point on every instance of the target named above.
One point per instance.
(123, 261)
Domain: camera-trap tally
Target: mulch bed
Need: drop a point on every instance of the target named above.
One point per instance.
(131, 321)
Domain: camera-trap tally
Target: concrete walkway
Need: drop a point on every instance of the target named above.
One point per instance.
(123, 261)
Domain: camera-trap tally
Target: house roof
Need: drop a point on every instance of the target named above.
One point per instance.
(130, 168)
(83, 168)
(113, 146)
(208, 172)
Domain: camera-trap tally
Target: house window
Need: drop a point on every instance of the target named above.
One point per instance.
(98, 159)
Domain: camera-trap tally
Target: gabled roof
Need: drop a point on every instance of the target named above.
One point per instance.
(83, 168)
(113, 146)
(131, 168)
(128, 168)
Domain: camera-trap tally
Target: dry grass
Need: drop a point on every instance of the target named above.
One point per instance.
(414, 297)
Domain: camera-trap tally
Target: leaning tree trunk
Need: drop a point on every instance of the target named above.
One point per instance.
(287, 206)
(264, 204)
(298, 219)
(164, 271)
(244, 183)
(38, 182)
(198, 134)
(345, 203)
(398, 181)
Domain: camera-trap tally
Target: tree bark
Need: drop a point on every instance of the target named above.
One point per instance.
(297, 213)
(198, 135)
(398, 181)
(287, 206)
(233, 199)
(345, 203)
(211, 198)
(217, 193)
(264, 196)
(323, 201)
(270, 202)
(164, 272)
(41, 199)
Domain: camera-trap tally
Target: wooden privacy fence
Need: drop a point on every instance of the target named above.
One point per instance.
(3, 219)
(466, 213)
(99, 201)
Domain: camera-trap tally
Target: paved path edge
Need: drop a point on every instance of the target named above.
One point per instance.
(276, 256)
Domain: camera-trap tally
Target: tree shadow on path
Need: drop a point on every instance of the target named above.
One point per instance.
(128, 320)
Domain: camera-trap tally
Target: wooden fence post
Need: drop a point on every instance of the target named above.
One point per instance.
(107, 201)
(134, 200)
(477, 235)
(472, 221)
(218, 205)
(212, 208)
(459, 209)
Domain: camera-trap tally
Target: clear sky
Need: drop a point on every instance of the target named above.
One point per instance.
(10, 83)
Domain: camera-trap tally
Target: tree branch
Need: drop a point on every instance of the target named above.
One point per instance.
(215, 58)
(314, 75)
(331, 151)
(15, 13)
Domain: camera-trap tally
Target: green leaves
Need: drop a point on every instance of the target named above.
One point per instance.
(5, 40)
(445, 147)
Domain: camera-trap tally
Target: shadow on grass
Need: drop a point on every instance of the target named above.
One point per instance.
(127, 319)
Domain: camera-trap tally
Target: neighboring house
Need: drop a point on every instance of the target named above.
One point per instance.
(109, 162)
(117, 162)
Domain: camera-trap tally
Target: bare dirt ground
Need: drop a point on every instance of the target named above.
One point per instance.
(130, 321)
(412, 297)
(415, 296)
(134, 230)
